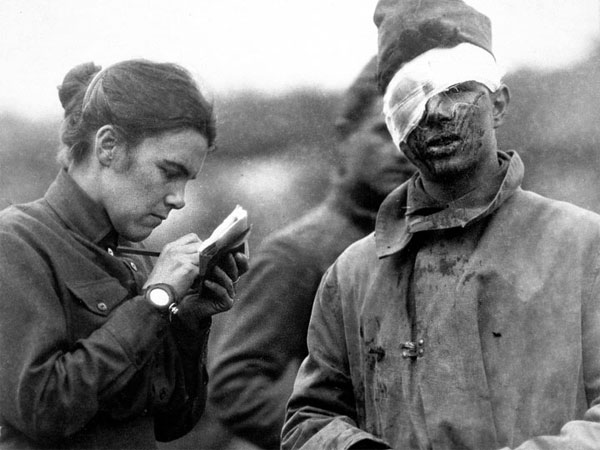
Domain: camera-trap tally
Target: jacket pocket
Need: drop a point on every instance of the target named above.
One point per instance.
(98, 296)
(93, 302)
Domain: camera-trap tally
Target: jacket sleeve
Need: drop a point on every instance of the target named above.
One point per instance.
(581, 434)
(263, 342)
(188, 401)
(321, 412)
(50, 388)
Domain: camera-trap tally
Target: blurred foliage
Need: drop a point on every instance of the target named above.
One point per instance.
(553, 124)
(27, 158)
(252, 124)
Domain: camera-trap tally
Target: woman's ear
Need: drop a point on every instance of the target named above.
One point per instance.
(105, 145)
(500, 101)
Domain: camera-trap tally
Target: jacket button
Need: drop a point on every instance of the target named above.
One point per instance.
(110, 252)
(102, 306)
(133, 266)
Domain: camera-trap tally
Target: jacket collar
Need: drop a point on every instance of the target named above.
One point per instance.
(409, 209)
(79, 212)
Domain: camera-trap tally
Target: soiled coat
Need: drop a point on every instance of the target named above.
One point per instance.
(499, 298)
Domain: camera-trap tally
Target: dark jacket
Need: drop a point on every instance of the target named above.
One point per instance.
(265, 337)
(86, 362)
(474, 326)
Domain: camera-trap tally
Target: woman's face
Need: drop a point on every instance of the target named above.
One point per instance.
(139, 193)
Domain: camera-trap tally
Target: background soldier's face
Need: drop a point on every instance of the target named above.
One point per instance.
(371, 158)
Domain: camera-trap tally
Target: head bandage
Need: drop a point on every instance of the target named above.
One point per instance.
(427, 75)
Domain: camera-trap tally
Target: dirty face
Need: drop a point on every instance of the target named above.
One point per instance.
(455, 135)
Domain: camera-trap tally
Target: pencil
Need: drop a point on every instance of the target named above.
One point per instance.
(137, 251)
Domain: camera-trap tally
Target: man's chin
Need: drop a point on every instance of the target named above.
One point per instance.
(447, 171)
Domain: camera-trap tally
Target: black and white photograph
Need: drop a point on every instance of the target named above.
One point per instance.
(300, 225)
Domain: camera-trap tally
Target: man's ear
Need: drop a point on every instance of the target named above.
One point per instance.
(500, 101)
(106, 145)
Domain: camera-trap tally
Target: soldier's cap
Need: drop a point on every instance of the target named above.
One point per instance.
(360, 95)
(409, 28)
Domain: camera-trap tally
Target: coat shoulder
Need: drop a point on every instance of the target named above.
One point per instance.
(24, 219)
(556, 213)
(359, 257)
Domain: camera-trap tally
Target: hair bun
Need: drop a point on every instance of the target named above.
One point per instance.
(75, 84)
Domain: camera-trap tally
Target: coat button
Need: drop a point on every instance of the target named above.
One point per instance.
(133, 266)
(102, 306)
(110, 252)
(162, 394)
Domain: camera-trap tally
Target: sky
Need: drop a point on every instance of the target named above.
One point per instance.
(265, 45)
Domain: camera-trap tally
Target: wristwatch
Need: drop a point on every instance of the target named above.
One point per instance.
(162, 296)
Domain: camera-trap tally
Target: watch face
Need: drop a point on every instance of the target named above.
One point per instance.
(159, 297)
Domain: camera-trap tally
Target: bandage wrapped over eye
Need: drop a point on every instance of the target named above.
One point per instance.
(429, 74)
(424, 48)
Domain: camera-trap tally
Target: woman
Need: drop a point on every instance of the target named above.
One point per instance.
(100, 348)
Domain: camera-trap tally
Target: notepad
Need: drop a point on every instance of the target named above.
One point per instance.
(230, 236)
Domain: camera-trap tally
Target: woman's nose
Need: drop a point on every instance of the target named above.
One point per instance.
(176, 199)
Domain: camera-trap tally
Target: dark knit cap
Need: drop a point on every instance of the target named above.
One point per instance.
(408, 28)
(358, 98)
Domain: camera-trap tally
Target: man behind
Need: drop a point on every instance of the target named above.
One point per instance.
(470, 319)
(259, 355)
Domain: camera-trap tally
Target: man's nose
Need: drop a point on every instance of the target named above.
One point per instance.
(176, 198)
(439, 108)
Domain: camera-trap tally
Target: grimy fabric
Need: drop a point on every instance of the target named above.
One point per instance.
(258, 355)
(86, 362)
(408, 28)
(500, 292)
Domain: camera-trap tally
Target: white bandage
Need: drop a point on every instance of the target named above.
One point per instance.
(429, 74)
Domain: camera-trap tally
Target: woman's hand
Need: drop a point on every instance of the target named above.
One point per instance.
(218, 293)
(177, 264)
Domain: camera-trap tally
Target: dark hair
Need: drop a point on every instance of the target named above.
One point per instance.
(358, 99)
(140, 98)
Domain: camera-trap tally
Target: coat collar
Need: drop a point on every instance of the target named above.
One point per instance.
(409, 209)
(79, 212)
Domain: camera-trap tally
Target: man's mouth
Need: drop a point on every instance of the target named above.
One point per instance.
(443, 140)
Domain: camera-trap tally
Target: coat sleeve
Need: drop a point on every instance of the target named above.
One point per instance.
(321, 412)
(188, 401)
(581, 434)
(263, 342)
(50, 388)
